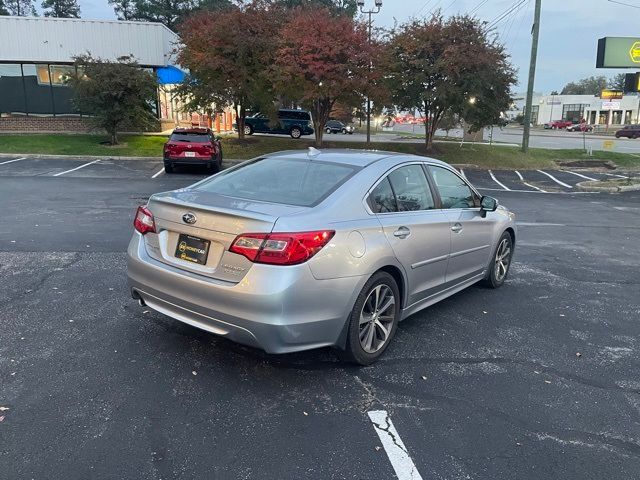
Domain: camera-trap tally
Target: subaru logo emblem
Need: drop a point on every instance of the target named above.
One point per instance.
(189, 218)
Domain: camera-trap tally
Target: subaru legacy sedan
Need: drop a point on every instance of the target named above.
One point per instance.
(300, 250)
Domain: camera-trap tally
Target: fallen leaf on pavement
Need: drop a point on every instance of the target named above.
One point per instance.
(547, 381)
(578, 354)
(378, 448)
(305, 414)
(1, 418)
(194, 372)
(4, 409)
(424, 377)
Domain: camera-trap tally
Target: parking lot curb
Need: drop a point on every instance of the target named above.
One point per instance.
(590, 186)
(95, 157)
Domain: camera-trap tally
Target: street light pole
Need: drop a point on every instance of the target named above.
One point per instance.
(370, 26)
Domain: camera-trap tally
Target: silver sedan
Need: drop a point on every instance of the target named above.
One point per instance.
(307, 249)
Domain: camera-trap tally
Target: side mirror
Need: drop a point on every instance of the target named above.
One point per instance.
(488, 204)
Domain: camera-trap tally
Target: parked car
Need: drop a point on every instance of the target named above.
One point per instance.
(558, 124)
(629, 131)
(299, 250)
(336, 126)
(580, 127)
(192, 146)
(290, 122)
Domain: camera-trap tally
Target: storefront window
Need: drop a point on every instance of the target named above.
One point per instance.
(62, 91)
(37, 89)
(12, 101)
(573, 112)
(628, 117)
(616, 118)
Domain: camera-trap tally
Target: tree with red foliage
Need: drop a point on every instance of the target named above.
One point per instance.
(228, 54)
(438, 66)
(322, 59)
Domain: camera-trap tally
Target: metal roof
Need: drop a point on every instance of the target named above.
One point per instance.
(58, 40)
(360, 158)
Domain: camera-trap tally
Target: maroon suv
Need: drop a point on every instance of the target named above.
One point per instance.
(193, 146)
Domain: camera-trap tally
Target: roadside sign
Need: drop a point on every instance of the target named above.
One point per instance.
(611, 94)
(618, 52)
(608, 144)
(611, 105)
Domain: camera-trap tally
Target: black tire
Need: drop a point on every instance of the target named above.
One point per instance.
(354, 351)
(634, 136)
(213, 166)
(617, 136)
(248, 130)
(295, 132)
(496, 275)
(344, 131)
(168, 168)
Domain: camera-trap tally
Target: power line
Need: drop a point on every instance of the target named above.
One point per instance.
(625, 4)
(422, 8)
(478, 7)
(509, 24)
(505, 14)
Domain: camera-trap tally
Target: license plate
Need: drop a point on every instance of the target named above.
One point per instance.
(192, 249)
(189, 154)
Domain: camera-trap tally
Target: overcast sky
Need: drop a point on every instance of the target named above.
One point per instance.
(568, 40)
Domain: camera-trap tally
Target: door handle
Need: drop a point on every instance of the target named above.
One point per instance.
(402, 232)
(457, 228)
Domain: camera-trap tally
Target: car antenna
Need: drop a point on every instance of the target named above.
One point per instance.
(314, 152)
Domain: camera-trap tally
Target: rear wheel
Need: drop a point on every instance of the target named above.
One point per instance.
(213, 166)
(295, 132)
(500, 262)
(373, 320)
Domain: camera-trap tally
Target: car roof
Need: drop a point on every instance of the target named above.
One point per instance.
(345, 156)
(199, 130)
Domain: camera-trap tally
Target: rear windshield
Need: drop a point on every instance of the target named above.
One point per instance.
(303, 183)
(190, 137)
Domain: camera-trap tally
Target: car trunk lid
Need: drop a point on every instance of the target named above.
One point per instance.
(216, 220)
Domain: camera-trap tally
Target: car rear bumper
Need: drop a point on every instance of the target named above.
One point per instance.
(188, 160)
(277, 309)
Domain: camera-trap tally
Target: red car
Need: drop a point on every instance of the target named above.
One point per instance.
(558, 124)
(193, 146)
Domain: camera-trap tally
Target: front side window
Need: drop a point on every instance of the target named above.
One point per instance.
(454, 193)
(411, 189)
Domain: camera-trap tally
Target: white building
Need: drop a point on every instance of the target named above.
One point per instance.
(593, 109)
(37, 54)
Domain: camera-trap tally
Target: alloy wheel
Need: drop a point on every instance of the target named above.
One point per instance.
(503, 257)
(376, 318)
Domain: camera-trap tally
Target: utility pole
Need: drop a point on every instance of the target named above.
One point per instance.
(532, 77)
(370, 13)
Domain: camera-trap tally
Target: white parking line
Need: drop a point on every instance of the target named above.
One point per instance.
(583, 176)
(396, 451)
(519, 175)
(159, 172)
(77, 168)
(504, 187)
(614, 175)
(14, 160)
(555, 179)
(534, 187)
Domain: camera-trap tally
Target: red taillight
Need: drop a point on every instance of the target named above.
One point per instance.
(281, 248)
(144, 222)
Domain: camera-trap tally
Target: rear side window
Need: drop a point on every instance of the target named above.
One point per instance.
(190, 137)
(294, 115)
(411, 189)
(454, 193)
(382, 199)
(297, 182)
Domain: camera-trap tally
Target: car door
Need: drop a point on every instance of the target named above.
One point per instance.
(471, 229)
(418, 233)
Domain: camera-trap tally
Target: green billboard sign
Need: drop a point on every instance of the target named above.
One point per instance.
(618, 52)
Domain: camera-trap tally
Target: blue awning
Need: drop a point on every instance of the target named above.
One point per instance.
(169, 75)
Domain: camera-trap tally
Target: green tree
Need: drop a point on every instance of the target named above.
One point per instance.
(228, 55)
(439, 65)
(586, 86)
(330, 63)
(117, 94)
(449, 121)
(617, 82)
(169, 12)
(61, 8)
(18, 8)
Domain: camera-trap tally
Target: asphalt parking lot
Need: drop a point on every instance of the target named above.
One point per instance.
(536, 380)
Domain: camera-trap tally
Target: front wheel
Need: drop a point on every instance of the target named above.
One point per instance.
(501, 262)
(295, 132)
(328, 130)
(373, 320)
(248, 130)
